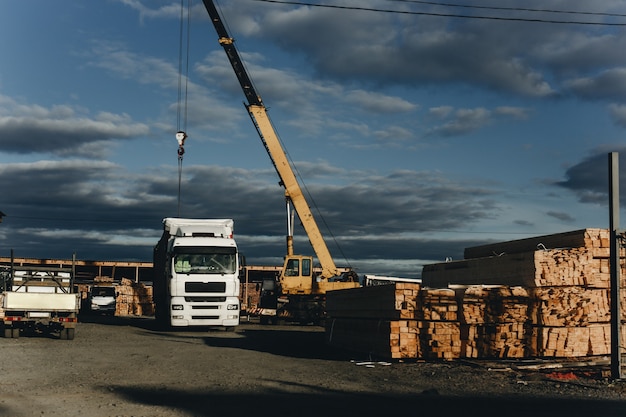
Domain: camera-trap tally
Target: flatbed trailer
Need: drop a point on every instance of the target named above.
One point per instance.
(39, 299)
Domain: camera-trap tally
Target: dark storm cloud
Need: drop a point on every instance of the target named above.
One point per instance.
(60, 130)
(522, 58)
(104, 212)
(608, 84)
(589, 178)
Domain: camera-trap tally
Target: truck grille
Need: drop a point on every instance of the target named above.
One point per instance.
(205, 299)
(219, 287)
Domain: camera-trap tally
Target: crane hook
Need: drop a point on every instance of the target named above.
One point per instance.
(180, 138)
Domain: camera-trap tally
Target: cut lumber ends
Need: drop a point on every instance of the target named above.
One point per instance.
(550, 267)
(437, 305)
(580, 257)
(495, 341)
(570, 306)
(482, 304)
(439, 339)
(480, 322)
(569, 342)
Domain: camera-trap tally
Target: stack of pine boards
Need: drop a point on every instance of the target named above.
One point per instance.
(534, 298)
(379, 320)
(134, 299)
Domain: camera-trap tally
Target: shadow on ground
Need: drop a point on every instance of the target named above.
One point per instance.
(146, 323)
(335, 404)
(306, 342)
(295, 342)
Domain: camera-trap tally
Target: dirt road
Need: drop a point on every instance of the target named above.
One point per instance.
(126, 367)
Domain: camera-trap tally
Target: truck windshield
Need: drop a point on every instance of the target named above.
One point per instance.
(103, 292)
(205, 263)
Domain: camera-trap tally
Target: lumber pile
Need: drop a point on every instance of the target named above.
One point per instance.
(568, 280)
(532, 263)
(377, 320)
(543, 297)
(494, 321)
(570, 306)
(439, 331)
(249, 294)
(134, 299)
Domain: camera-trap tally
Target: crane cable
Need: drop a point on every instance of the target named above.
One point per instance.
(181, 106)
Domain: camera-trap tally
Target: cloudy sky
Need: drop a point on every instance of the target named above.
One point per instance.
(417, 129)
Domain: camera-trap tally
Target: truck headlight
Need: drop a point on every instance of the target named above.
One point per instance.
(177, 306)
(232, 307)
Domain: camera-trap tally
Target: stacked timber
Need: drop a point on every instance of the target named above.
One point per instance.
(575, 258)
(567, 276)
(250, 294)
(493, 321)
(377, 320)
(544, 297)
(134, 299)
(570, 306)
(439, 330)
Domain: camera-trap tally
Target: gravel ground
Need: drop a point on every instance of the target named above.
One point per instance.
(126, 367)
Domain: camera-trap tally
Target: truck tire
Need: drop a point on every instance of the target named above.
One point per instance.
(67, 333)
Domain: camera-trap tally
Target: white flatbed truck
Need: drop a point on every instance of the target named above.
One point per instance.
(39, 299)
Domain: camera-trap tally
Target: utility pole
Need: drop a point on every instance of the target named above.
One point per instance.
(616, 354)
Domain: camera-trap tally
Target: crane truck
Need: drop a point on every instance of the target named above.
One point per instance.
(301, 293)
(196, 274)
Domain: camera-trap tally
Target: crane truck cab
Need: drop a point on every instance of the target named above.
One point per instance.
(298, 277)
(302, 295)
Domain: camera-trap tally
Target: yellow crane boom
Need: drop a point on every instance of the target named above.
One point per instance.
(297, 276)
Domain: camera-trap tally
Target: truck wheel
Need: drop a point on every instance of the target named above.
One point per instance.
(67, 334)
(70, 333)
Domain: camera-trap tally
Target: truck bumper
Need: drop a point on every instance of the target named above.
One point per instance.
(185, 322)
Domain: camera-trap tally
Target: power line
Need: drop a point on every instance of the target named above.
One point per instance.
(460, 16)
(515, 9)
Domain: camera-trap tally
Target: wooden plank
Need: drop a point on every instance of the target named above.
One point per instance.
(515, 269)
(391, 302)
(574, 239)
(529, 269)
(570, 306)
